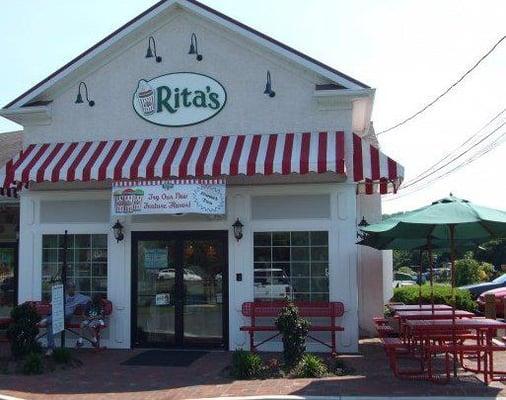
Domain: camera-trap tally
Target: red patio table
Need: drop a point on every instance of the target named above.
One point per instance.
(418, 307)
(404, 316)
(429, 315)
(483, 326)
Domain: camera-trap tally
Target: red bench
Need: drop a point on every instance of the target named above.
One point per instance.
(44, 309)
(4, 325)
(330, 310)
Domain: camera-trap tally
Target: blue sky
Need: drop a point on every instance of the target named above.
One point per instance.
(408, 50)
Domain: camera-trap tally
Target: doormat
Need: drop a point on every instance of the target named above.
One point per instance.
(165, 358)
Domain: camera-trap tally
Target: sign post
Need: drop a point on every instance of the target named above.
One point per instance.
(64, 284)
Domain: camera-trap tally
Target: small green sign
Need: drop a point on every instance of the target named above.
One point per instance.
(156, 258)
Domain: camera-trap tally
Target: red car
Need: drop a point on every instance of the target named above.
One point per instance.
(500, 296)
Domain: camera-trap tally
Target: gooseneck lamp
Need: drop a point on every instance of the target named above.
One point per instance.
(117, 229)
(194, 48)
(150, 52)
(237, 225)
(268, 86)
(79, 98)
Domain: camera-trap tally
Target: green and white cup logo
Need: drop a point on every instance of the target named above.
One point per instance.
(178, 99)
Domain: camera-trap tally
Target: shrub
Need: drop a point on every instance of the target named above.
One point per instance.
(486, 272)
(62, 355)
(311, 366)
(442, 295)
(467, 271)
(33, 364)
(246, 365)
(294, 330)
(23, 331)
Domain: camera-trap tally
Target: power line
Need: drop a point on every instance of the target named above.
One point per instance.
(490, 147)
(454, 159)
(468, 140)
(430, 104)
(473, 157)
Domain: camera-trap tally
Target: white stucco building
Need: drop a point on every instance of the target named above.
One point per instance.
(290, 137)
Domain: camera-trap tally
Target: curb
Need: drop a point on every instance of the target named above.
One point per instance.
(292, 397)
(6, 397)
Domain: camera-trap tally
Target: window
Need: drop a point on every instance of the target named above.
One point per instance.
(86, 260)
(293, 264)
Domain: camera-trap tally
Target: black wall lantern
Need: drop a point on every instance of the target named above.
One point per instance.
(79, 98)
(117, 228)
(150, 52)
(194, 48)
(237, 225)
(268, 86)
(362, 224)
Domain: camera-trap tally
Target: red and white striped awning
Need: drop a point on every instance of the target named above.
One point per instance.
(195, 157)
(374, 171)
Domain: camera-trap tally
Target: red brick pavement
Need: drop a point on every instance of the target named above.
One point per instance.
(103, 377)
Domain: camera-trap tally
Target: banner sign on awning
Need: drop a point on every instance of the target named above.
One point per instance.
(168, 197)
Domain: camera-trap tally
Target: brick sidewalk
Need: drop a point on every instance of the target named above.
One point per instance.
(103, 377)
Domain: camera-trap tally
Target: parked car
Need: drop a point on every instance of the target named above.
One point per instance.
(403, 279)
(500, 295)
(271, 284)
(478, 288)
(170, 273)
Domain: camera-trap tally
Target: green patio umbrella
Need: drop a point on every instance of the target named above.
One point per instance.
(448, 221)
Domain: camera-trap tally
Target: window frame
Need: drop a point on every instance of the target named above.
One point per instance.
(291, 276)
(103, 264)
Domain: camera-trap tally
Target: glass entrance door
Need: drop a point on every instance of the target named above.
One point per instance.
(203, 267)
(156, 292)
(179, 290)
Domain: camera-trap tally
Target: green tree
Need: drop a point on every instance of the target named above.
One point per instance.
(493, 252)
(486, 272)
(467, 271)
(402, 258)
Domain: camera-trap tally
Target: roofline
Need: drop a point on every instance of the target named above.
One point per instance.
(278, 43)
(205, 8)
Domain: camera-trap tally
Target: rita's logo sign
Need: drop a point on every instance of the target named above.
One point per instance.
(179, 99)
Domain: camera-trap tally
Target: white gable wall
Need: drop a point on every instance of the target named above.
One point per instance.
(237, 63)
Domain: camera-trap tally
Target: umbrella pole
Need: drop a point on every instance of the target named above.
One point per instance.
(452, 260)
(429, 255)
(420, 280)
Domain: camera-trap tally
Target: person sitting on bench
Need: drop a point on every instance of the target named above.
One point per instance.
(93, 319)
(73, 300)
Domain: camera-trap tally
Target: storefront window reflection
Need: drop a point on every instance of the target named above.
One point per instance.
(86, 263)
(291, 264)
(7, 280)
